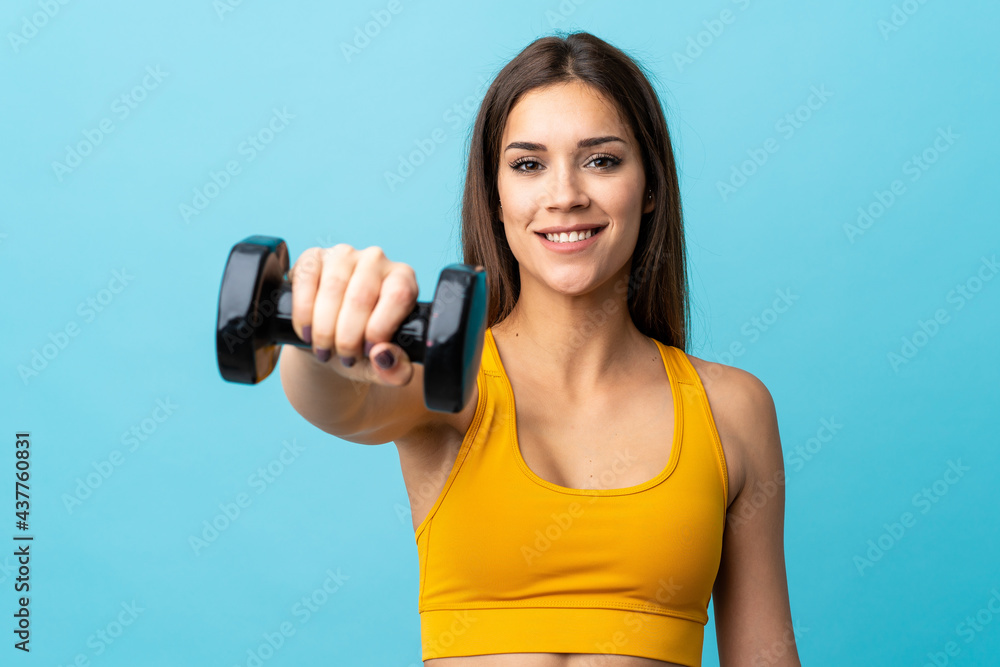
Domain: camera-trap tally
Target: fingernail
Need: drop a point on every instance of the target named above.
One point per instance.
(307, 333)
(323, 355)
(347, 361)
(368, 348)
(385, 359)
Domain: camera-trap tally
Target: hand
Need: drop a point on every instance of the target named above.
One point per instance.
(348, 303)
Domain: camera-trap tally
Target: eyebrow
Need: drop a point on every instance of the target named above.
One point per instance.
(583, 143)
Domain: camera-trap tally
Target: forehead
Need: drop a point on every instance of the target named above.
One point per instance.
(569, 110)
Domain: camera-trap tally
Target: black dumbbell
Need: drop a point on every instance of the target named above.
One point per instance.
(255, 319)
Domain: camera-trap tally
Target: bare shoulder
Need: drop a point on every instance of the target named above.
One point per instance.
(745, 418)
(427, 454)
(423, 440)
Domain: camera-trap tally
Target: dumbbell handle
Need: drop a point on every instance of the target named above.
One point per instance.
(411, 334)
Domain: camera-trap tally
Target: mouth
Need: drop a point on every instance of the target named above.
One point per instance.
(570, 239)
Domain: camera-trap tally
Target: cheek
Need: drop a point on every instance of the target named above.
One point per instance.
(515, 239)
(624, 203)
(511, 238)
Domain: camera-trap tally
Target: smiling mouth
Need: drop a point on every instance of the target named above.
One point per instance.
(571, 237)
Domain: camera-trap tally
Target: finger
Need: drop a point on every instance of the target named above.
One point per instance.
(338, 265)
(396, 300)
(359, 300)
(390, 365)
(304, 278)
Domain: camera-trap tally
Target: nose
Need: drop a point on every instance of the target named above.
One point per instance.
(564, 192)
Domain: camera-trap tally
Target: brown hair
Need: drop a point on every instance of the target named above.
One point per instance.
(657, 290)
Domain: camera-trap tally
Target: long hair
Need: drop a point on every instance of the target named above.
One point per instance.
(657, 289)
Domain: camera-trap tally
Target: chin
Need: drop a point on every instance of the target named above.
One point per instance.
(570, 282)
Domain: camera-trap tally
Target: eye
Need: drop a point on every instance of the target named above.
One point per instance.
(610, 160)
(516, 164)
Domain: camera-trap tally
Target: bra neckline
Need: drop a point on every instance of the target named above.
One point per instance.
(675, 447)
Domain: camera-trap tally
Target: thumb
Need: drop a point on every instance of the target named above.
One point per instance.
(390, 364)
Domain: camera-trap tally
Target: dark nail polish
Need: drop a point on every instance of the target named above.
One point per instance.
(368, 348)
(347, 361)
(307, 333)
(385, 359)
(323, 355)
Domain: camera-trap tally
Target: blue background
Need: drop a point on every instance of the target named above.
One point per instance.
(340, 506)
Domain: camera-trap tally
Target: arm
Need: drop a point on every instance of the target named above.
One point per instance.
(752, 612)
(362, 412)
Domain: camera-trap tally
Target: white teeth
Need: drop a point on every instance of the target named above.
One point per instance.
(571, 237)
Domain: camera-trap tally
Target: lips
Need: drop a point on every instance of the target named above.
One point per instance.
(571, 237)
(571, 240)
(568, 229)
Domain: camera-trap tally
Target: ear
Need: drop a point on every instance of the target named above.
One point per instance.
(649, 203)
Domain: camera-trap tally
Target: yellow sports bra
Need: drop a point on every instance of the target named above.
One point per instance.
(512, 563)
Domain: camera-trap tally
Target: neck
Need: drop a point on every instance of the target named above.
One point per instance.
(572, 341)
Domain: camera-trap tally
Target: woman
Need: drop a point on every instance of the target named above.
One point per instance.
(575, 512)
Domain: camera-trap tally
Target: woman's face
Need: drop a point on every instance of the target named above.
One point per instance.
(569, 166)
